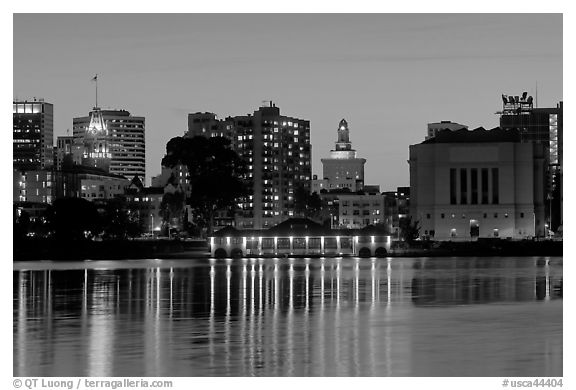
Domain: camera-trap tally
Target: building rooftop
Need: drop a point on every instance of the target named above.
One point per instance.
(82, 169)
(478, 135)
(298, 227)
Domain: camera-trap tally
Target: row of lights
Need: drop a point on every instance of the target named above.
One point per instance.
(244, 240)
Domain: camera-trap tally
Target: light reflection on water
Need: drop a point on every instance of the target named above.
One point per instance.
(302, 317)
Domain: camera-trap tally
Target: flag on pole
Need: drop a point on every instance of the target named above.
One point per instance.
(95, 78)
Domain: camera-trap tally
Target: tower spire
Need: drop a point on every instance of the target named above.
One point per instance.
(343, 142)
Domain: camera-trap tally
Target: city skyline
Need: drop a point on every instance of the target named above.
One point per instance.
(387, 75)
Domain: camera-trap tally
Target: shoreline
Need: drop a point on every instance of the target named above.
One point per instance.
(39, 250)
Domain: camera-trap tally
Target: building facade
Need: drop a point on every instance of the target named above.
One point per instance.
(277, 151)
(145, 205)
(113, 140)
(102, 187)
(37, 186)
(357, 211)
(86, 182)
(470, 184)
(33, 135)
(342, 169)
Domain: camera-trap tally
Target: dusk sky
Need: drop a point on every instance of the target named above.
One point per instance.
(388, 75)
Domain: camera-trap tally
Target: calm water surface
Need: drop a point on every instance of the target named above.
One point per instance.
(300, 317)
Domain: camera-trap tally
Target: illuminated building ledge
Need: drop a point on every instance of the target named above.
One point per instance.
(296, 237)
(240, 246)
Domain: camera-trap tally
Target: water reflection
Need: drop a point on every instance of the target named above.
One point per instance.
(274, 317)
(452, 282)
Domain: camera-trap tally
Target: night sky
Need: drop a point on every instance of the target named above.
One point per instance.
(387, 75)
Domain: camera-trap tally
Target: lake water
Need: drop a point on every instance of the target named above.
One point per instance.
(289, 317)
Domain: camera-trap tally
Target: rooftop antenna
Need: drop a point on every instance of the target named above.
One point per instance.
(536, 94)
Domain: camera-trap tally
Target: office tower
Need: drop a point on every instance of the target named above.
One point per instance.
(33, 134)
(113, 140)
(543, 126)
(469, 184)
(277, 151)
(343, 169)
(434, 128)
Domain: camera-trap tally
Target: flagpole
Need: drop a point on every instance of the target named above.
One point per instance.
(96, 79)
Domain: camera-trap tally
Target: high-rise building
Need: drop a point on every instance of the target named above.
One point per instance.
(343, 169)
(543, 126)
(33, 134)
(113, 140)
(277, 151)
(469, 184)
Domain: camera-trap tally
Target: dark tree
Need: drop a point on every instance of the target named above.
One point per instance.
(73, 219)
(216, 172)
(119, 221)
(315, 203)
(409, 231)
(171, 209)
(300, 200)
(306, 204)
